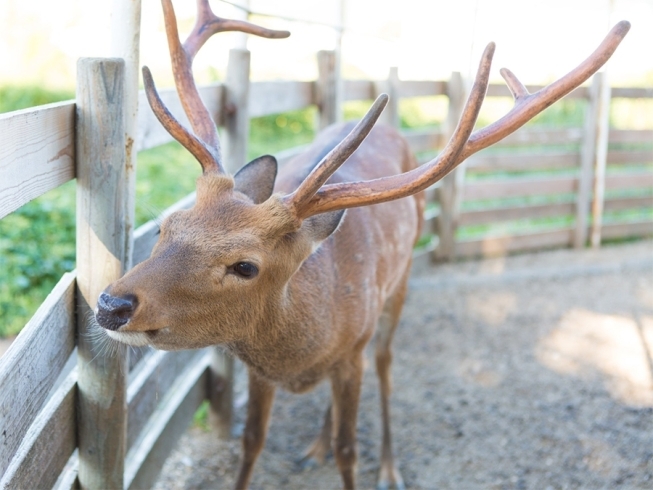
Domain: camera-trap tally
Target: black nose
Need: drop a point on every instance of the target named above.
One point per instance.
(112, 312)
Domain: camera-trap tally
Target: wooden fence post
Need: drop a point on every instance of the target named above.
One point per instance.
(237, 109)
(588, 153)
(125, 44)
(327, 96)
(100, 166)
(390, 114)
(236, 121)
(446, 223)
(602, 138)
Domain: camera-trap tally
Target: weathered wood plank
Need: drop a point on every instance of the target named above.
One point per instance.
(423, 139)
(146, 235)
(543, 160)
(280, 96)
(632, 92)
(631, 180)
(501, 90)
(493, 162)
(518, 187)
(628, 203)
(48, 444)
(30, 367)
(100, 247)
(137, 354)
(630, 135)
(68, 478)
(527, 136)
(150, 385)
(502, 245)
(626, 230)
(357, 89)
(630, 156)
(497, 215)
(152, 134)
(422, 88)
(37, 153)
(145, 460)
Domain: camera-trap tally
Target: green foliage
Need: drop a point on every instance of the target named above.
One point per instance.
(271, 134)
(13, 98)
(164, 175)
(37, 245)
(201, 417)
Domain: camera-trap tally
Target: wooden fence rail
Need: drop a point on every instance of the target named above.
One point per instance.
(71, 415)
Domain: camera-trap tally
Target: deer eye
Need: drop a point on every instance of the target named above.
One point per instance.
(245, 269)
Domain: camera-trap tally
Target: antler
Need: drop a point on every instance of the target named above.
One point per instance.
(205, 144)
(461, 145)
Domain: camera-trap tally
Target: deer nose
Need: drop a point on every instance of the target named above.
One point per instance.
(112, 312)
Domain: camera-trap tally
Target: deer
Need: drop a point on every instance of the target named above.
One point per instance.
(294, 271)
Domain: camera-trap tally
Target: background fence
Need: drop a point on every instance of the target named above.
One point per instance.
(72, 414)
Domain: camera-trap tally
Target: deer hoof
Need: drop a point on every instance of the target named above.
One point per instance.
(309, 463)
(389, 477)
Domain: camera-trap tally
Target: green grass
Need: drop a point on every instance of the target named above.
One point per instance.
(13, 98)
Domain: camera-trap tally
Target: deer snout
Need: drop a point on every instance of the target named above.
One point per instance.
(113, 312)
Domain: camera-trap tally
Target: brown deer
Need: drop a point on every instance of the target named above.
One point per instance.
(274, 269)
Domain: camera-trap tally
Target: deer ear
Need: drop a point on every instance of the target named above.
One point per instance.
(256, 179)
(321, 226)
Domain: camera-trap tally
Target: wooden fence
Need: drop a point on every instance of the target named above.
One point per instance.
(71, 415)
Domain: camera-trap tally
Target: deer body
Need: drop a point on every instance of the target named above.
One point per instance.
(269, 267)
(330, 306)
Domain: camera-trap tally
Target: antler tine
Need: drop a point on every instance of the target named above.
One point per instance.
(336, 157)
(353, 194)
(528, 105)
(173, 126)
(182, 57)
(208, 23)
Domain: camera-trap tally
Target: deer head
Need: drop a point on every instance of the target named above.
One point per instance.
(223, 266)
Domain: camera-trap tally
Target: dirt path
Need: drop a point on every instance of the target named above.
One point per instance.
(534, 371)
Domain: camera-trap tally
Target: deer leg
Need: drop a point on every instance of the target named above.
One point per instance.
(261, 396)
(317, 452)
(346, 387)
(389, 474)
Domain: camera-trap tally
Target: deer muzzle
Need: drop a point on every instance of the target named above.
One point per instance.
(113, 312)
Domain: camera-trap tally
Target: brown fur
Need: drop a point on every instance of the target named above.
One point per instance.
(308, 314)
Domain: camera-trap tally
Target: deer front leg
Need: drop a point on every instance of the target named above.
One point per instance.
(346, 387)
(261, 396)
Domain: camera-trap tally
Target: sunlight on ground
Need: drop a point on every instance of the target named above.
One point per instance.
(493, 308)
(494, 266)
(620, 347)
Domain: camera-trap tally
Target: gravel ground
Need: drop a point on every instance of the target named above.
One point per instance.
(533, 371)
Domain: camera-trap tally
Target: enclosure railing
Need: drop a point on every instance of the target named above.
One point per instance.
(72, 415)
